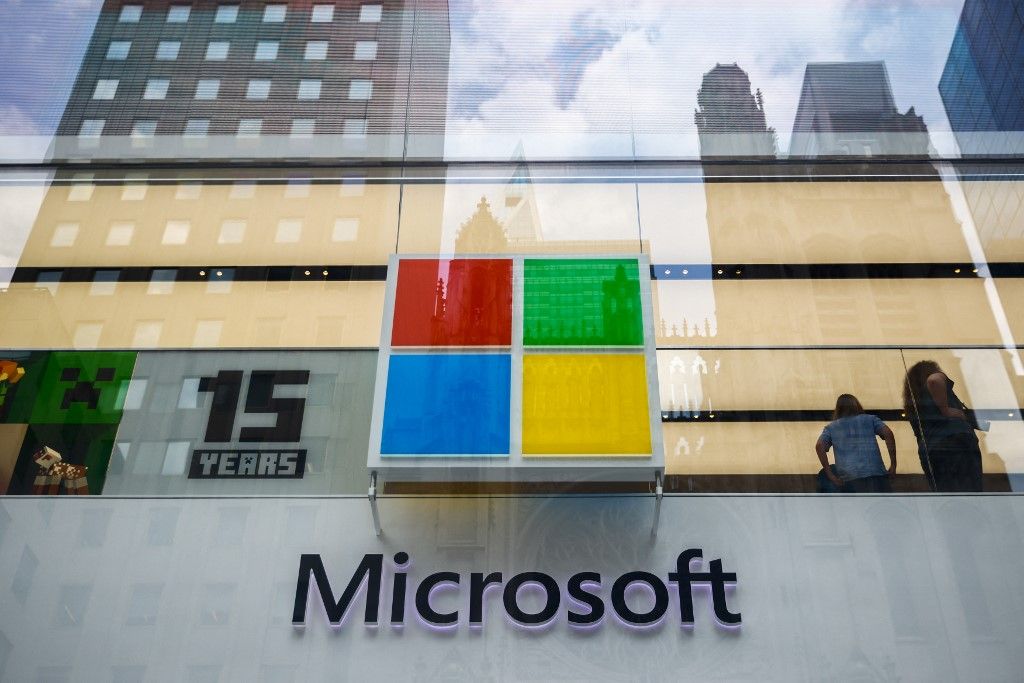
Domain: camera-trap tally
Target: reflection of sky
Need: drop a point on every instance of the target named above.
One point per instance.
(586, 66)
(608, 66)
(41, 47)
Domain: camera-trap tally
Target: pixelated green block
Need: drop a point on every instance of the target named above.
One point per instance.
(582, 302)
(83, 387)
(18, 399)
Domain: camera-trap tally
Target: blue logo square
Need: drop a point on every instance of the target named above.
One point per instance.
(447, 404)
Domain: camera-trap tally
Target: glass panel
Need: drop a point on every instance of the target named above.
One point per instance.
(464, 302)
(582, 302)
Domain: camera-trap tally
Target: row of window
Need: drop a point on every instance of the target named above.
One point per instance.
(208, 89)
(176, 232)
(266, 50)
(300, 128)
(228, 14)
(135, 188)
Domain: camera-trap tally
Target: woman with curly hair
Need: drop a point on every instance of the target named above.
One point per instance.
(946, 442)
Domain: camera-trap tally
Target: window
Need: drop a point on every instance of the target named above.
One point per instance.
(266, 50)
(206, 89)
(120, 234)
(366, 50)
(231, 232)
(303, 128)
(64, 235)
(134, 188)
(322, 14)
(104, 283)
(49, 280)
(144, 129)
(105, 89)
(309, 89)
(274, 14)
(297, 188)
(289, 230)
(345, 230)
(91, 128)
(161, 282)
(217, 50)
(370, 14)
(188, 191)
(118, 49)
(178, 14)
(258, 89)
(81, 189)
(168, 49)
(196, 128)
(249, 128)
(130, 14)
(242, 189)
(355, 128)
(156, 89)
(176, 232)
(316, 49)
(146, 334)
(360, 90)
(226, 14)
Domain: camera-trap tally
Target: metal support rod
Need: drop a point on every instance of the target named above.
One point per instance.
(371, 494)
(658, 494)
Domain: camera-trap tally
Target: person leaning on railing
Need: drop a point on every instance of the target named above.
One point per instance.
(944, 427)
(852, 437)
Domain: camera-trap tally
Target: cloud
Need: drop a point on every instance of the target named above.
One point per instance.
(41, 48)
(17, 122)
(642, 69)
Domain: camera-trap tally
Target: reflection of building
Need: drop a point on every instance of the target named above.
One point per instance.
(847, 109)
(982, 86)
(982, 89)
(253, 68)
(730, 119)
(484, 233)
(520, 203)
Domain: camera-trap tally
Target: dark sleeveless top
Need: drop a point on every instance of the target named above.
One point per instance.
(935, 425)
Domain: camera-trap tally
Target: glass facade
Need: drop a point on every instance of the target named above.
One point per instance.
(576, 254)
(225, 179)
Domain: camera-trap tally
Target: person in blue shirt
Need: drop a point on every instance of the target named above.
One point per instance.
(852, 437)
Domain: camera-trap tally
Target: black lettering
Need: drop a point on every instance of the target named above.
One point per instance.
(260, 399)
(423, 599)
(398, 590)
(684, 579)
(718, 580)
(371, 567)
(511, 596)
(580, 594)
(638, 618)
(478, 583)
(716, 577)
(226, 387)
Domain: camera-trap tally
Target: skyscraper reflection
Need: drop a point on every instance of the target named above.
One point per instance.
(730, 119)
(847, 109)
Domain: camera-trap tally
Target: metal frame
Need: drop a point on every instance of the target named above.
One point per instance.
(513, 466)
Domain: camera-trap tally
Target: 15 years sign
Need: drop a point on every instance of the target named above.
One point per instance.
(195, 418)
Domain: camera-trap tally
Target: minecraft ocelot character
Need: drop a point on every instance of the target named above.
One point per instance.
(55, 474)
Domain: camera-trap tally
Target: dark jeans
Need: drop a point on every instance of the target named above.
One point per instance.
(878, 484)
(955, 463)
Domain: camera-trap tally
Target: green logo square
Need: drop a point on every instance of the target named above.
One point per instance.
(582, 302)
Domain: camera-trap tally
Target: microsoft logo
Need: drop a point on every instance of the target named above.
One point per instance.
(516, 361)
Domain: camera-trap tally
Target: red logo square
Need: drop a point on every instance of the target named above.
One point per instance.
(453, 302)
